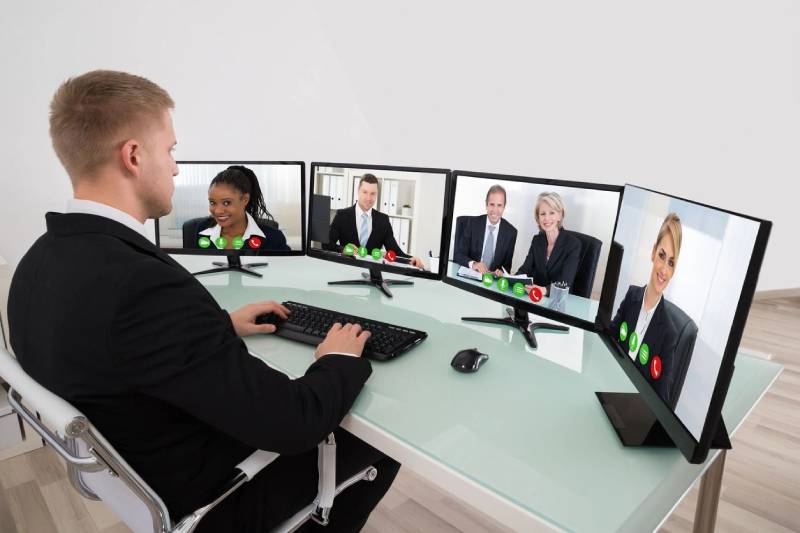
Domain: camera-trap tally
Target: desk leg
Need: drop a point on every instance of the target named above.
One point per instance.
(705, 516)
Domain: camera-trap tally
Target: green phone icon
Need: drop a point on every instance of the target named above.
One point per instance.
(623, 331)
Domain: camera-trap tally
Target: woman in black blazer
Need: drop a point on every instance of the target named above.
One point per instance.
(554, 254)
(661, 345)
(238, 210)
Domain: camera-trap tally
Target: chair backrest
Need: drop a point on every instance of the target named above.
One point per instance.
(90, 458)
(319, 229)
(587, 266)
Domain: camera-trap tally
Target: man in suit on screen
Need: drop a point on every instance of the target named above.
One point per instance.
(363, 225)
(485, 243)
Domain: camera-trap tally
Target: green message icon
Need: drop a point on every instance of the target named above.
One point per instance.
(349, 249)
(376, 253)
(488, 279)
(204, 242)
(519, 289)
(362, 251)
(238, 242)
(633, 342)
(221, 242)
(502, 284)
(623, 331)
(644, 354)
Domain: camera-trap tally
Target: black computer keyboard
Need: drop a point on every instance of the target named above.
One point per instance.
(309, 324)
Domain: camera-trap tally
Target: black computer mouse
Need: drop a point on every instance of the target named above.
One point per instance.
(469, 360)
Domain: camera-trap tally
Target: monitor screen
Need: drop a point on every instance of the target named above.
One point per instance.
(681, 296)
(374, 216)
(530, 242)
(247, 208)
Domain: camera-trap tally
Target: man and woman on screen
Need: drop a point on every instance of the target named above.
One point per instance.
(485, 243)
(239, 217)
(365, 226)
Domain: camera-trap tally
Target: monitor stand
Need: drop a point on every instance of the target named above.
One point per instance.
(234, 264)
(636, 425)
(375, 278)
(520, 321)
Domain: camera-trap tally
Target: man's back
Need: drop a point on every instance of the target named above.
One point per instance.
(104, 319)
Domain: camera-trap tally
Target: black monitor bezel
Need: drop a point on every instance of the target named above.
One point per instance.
(332, 256)
(245, 251)
(693, 449)
(512, 300)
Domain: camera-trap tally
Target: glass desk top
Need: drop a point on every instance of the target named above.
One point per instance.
(527, 426)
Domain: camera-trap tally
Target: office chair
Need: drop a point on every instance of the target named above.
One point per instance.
(190, 227)
(587, 265)
(98, 472)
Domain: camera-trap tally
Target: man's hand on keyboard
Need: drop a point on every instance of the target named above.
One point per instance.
(244, 319)
(348, 339)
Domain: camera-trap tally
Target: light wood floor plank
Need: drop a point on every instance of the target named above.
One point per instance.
(29, 509)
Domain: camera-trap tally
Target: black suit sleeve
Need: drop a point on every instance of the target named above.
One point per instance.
(180, 347)
(463, 239)
(676, 365)
(389, 241)
(334, 234)
(622, 311)
(570, 265)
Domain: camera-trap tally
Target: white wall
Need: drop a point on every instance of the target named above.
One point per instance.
(698, 99)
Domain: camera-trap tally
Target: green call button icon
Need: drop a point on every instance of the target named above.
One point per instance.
(221, 242)
(623, 331)
(362, 251)
(203, 242)
(349, 249)
(518, 289)
(238, 242)
(488, 279)
(376, 253)
(502, 284)
(644, 354)
(633, 342)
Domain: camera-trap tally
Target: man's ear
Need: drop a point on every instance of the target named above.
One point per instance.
(130, 154)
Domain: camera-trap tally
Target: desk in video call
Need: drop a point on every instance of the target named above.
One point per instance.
(524, 439)
(576, 306)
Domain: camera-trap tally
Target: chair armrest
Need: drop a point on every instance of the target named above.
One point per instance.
(256, 462)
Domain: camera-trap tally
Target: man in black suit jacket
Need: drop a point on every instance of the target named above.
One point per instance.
(362, 220)
(670, 337)
(471, 233)
(106, 320)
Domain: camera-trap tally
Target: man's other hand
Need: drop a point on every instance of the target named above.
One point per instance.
(244, 319)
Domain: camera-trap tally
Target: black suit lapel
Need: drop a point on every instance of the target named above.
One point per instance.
(558, 250)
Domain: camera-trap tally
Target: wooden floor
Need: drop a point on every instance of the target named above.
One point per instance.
(760, 488)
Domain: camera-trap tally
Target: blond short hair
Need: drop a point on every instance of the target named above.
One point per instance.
(672, 227)
(92, 114)
(553, 199)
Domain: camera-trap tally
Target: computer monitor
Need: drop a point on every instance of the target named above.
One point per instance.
(236, 208)
(673, 314)
(378, 217)
(538, 245)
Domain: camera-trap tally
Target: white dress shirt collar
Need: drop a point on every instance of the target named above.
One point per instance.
(90, 207)
(252, 229)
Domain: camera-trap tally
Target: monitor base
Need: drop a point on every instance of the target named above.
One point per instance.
(520, 321)
(234, 264)
(636, 425)
(374, 278)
